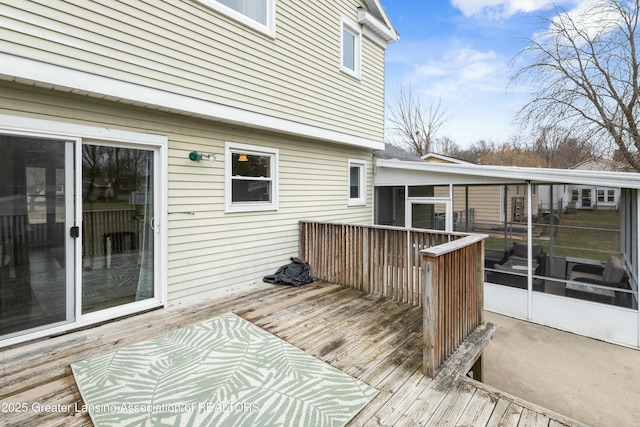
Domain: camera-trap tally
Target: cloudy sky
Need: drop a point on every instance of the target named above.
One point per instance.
(460, 51)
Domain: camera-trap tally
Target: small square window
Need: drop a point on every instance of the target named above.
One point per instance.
(611, 196)
(350, 48)
(357, 182)
(250, 178)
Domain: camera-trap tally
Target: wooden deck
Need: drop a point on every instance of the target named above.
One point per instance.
(369, 337)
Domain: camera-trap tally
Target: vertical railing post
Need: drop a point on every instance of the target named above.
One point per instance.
(480, 283)
(477, 368)
(302, 253)
(429, 357)
(366, 253)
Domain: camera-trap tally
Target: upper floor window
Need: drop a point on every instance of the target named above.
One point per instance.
(357, 182)
(350, 48)
(258, 14)
(251, 178)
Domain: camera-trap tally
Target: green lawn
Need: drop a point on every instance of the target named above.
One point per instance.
(585, 234)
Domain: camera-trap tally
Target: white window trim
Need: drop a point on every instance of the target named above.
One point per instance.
(357, 31)
(234, 147)
(362, 200)
(268, 29)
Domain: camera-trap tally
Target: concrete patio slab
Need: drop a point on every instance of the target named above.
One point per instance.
(589, 380)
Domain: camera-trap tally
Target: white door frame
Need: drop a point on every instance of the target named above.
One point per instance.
(410, 201)
(76, 134)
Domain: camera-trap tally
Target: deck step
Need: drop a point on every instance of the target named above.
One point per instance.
(466, 356)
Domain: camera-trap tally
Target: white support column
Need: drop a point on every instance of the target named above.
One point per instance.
(449, 211)
(637, 222)
(529, 254)
(407, 208)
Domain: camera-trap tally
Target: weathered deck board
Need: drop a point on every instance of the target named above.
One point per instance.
(505, 414)
(479, 410)
(372, 338)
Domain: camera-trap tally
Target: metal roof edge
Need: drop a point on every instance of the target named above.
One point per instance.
(537, 175)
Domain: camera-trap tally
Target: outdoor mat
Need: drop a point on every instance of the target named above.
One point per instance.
(221, 372)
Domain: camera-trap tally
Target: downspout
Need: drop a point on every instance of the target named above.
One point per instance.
(529, 254)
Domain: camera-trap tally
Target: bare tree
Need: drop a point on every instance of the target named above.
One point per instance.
(511, 155)
(473, 153)
(584, 69)
(445, 146)
(414, 126)
(559, 149)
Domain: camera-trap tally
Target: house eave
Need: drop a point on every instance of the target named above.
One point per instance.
(386, 34)
(36, 73)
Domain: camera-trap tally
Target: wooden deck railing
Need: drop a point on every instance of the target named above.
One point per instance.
(100, 223)
(442, 272)
(453, 296)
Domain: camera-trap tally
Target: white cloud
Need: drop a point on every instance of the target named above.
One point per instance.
(585, 21)
(460, 72)
(470, 83)
(500, 8)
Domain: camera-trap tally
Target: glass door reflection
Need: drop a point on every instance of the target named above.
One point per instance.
(117, 226)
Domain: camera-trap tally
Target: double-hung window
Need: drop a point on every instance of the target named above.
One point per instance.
(350, 48)
(357, 182)
(251, 178)
(258, 14)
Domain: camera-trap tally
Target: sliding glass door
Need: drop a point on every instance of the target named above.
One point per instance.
(78, 233)
(118, 226)
(36, 253)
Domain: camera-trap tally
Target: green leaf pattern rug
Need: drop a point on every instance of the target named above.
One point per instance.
(221, 372)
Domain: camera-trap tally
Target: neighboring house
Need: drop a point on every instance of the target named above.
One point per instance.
(568, 197)
(594, 197)
(217, 126)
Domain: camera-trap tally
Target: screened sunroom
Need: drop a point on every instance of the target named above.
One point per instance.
(563, 244)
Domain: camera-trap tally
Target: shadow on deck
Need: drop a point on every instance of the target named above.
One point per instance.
(372, 338)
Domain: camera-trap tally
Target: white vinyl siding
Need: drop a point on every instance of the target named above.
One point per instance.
(210, 251)
(188, 48)
(257, 14)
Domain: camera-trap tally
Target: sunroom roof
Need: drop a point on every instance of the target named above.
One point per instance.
(398, 172)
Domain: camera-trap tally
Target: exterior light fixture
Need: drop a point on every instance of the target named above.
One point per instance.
(199, 155)
(242, 158)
